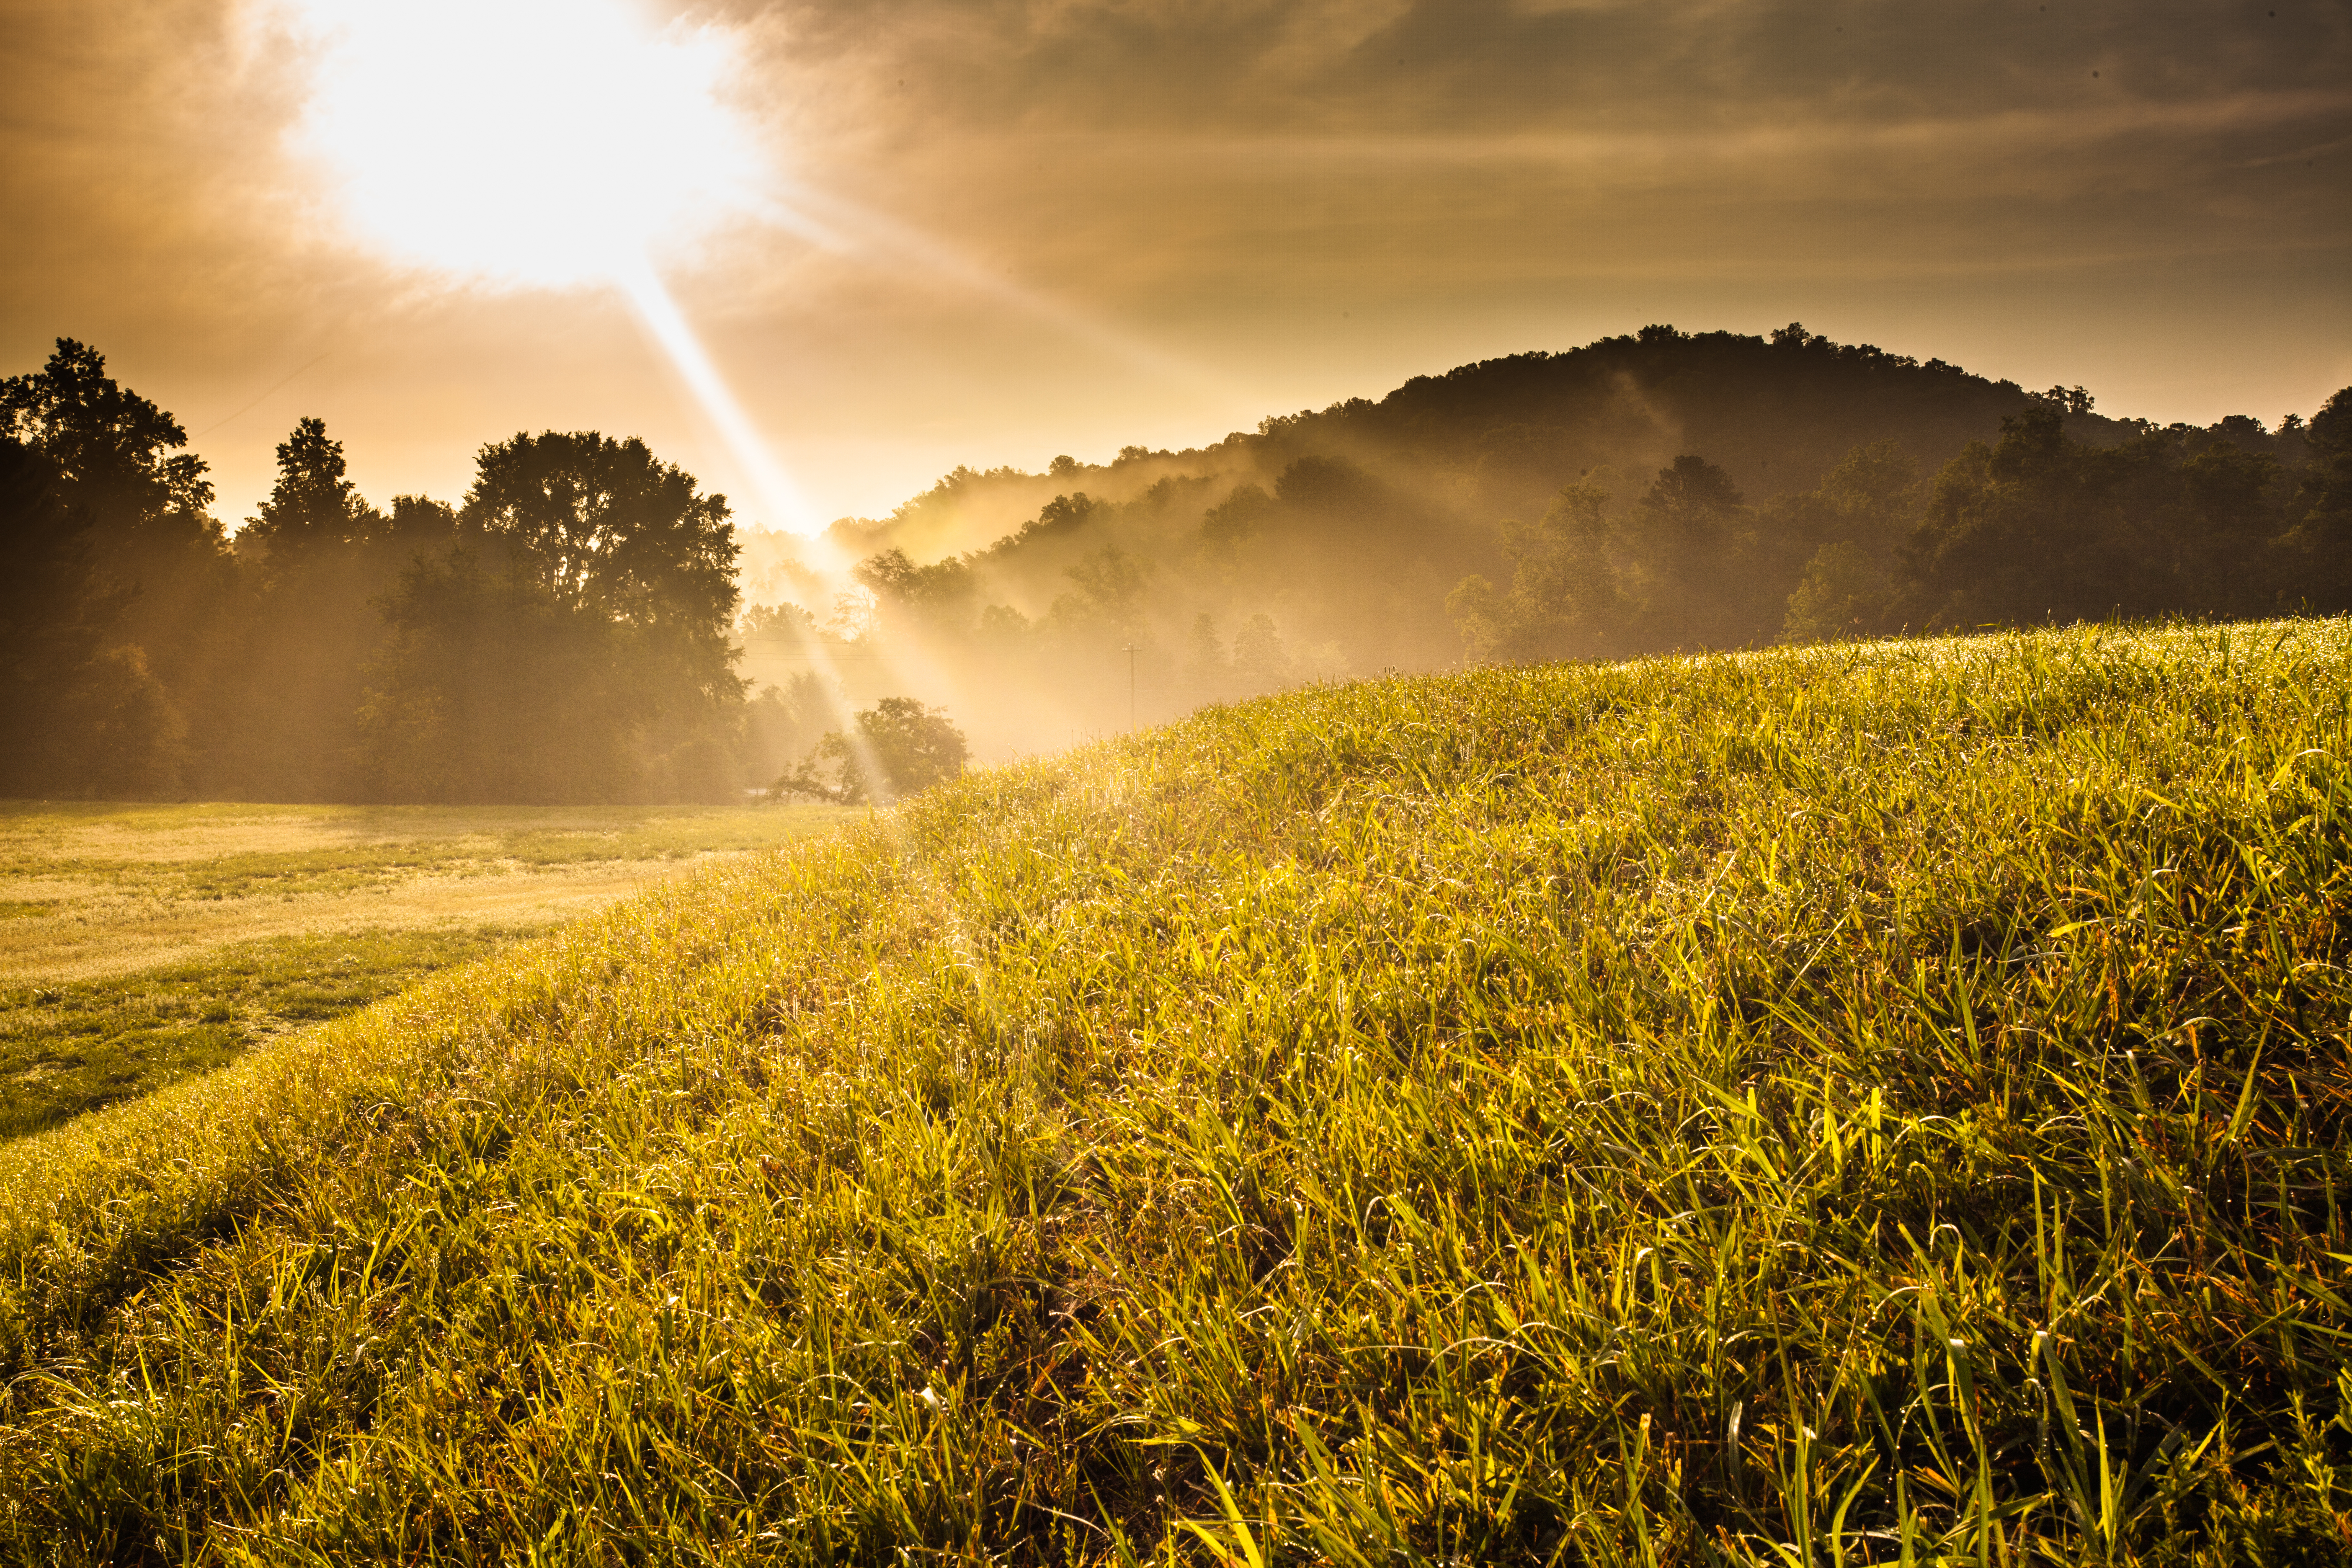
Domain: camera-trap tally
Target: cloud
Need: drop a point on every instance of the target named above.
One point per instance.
(1488, 65)
(1053, 217)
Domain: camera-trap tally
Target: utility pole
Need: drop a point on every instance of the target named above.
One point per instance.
(1131, 651)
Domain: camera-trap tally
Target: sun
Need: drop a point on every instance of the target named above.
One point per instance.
(530, 142)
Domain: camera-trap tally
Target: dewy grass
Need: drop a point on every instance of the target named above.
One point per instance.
(1868, 1104)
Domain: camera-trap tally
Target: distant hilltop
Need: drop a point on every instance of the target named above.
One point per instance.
(1644, 493)
(1501, 435)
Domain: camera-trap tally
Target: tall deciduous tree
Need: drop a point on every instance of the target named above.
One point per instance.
(114, 459)
(578, 644)
(119, 456)
(606, 524)
(78, 716)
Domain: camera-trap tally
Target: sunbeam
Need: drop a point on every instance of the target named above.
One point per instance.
(840, 224)
(662, 320)
(526, 143)
(538, 144)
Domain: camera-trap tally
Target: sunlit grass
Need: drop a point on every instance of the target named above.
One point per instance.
(101, 889)
(69, 1048)
(1863, 1104)
(175, 937)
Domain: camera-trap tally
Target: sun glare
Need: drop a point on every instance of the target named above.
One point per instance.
(566, 145)
(531, 143)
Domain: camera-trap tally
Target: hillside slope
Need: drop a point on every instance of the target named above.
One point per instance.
(1888, 1099)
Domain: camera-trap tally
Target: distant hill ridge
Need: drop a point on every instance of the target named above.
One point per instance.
(1775, 412)
(1658, 490)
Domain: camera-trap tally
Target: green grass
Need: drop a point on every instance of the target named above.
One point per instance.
(1851, 1105)
(69, 1047)
(177, 937)
(183, 852)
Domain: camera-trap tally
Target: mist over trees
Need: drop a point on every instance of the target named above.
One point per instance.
(587, 624)
(1655, 491)
(565, 634)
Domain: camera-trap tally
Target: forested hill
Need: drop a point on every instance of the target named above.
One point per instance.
(1658, 491)
(1774, 414)
(1500, 436)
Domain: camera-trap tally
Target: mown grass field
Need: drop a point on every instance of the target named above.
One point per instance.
(140, 944)
(1863, 1104)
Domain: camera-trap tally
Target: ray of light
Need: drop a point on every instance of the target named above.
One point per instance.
(852, 734)
(560, 144)
(667, 325)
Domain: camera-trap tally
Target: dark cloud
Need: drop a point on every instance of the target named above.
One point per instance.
(1487, 65)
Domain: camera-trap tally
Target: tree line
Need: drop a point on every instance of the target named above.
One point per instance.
(569, 629)
(2036, 527)
(1223, 585)
(563, 633)
(1656, 490)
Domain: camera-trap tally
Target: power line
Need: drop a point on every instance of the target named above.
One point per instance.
(255, 404)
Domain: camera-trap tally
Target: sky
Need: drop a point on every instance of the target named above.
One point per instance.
(821, 253)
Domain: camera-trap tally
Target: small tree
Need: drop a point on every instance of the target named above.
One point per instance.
(911, 747)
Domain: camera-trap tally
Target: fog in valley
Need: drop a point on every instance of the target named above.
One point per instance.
(587, 622)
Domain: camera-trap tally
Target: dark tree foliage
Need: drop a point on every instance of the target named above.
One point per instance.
(54, 606)
(117, 457)
(2318, 547)
(76, 713)
(2043, 527)
(116, 453)
(314, 506)
(568, 633)
(576, 647)
(1563, 602)
(565, 637)
(605, 524)
(2039, 526)
(1774, 413)
(491, 689)
(321, 560)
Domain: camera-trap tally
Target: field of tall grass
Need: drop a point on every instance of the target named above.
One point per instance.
(1879, 1103)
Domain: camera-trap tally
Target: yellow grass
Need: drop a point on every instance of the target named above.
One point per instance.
(96, 890)
(142, 945)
